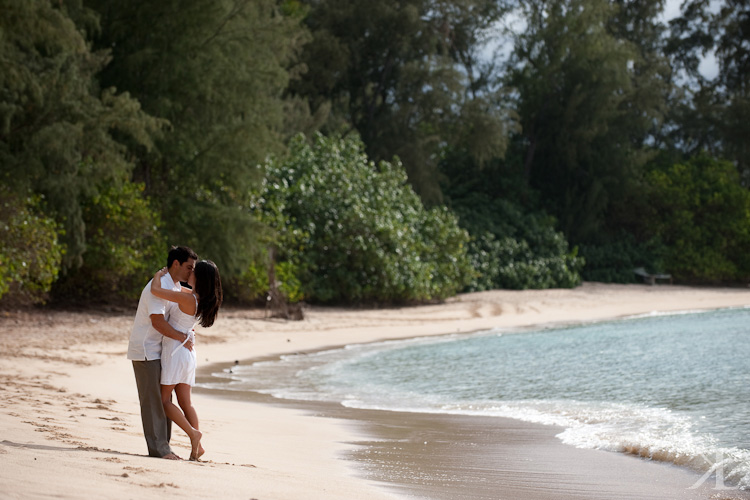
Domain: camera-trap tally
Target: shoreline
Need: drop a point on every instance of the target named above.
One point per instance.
(69, 409)
(443, 456)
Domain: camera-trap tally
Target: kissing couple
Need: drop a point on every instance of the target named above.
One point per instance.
(162, 347)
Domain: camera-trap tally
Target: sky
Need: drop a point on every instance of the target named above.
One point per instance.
(708, 66)
(672, 9)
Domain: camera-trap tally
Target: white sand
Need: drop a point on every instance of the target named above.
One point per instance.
(69, 417)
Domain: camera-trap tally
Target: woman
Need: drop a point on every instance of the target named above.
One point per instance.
(199, 305)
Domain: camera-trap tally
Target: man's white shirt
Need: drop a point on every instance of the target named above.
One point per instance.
(145, 341)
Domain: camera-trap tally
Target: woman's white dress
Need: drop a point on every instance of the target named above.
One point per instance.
(178, 363)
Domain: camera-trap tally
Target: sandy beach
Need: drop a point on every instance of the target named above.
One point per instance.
(70, 423)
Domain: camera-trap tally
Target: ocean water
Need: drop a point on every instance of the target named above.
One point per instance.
(673, 388)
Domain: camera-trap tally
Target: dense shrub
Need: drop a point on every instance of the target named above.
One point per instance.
(515, 250)
(30, 253)
(124, 246)
(511, 263)
(252, 286)
(249, 287)
(614, 259)
(701, 212)
(354, 231)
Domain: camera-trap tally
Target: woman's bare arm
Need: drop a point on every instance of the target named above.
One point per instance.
(185, 300)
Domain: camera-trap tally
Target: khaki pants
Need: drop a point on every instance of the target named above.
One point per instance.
(157, 428)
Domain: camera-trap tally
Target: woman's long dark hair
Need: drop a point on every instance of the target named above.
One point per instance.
(210, 294)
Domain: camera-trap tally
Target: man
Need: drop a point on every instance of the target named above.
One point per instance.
(144, 349)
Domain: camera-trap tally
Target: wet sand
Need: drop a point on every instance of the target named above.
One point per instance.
(452, 457)
(445, 457)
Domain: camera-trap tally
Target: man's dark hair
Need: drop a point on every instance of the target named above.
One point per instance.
(181, 255)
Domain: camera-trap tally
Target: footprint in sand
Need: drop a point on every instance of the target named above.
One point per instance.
(113, 419)
(98, 401)
(165, 485)
(136, 470)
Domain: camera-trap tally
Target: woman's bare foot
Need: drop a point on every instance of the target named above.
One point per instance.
(195, 442)
(200, 453)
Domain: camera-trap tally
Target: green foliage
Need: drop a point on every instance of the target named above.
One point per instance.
(512, 264)
(124, 125)
(711, 112)
(60, 135)
(702, 214)
(216, 70)
(355, 231)
(125, 245)
(408, 77)
(252, 286)
(511, 247)
(289, 283)
(523, 271)
(614, 259)
(587, 97)
(529, 253)
(30, 253)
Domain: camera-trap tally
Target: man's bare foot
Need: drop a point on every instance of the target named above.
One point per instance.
(171, 456)
(195, 442)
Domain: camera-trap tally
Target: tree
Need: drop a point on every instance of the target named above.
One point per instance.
(513, 245)
(636, 23)
(61, 135)
(124, 246)
(355, 231)
(407, 78)
(713, 115)
(584, 118)
(216, 71)
(30, 253)
(702, 214)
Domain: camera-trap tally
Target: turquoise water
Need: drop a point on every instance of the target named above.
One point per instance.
(673, 388)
